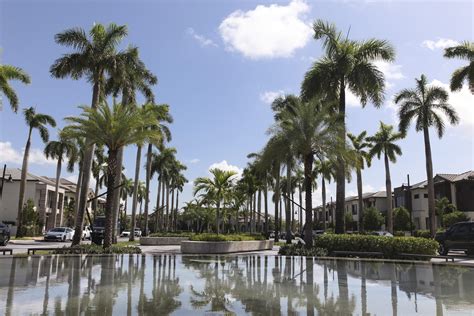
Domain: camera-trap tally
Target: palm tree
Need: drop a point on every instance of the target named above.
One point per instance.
(216, 188)
(463, 51)
(114, 128)
(347, 64)
(383, 143)
(360, 147)
(93, 58)
(34, 121)
(326, 169)
(99, 172)
(424, 105)
(8, 73)
(59, 150)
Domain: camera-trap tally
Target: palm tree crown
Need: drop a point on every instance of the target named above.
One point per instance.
(383, 142)
(8, 73)
(463, 51)
(39, 121)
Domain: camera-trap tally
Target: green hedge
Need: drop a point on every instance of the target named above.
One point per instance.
(423, 233)
(391, 247)
(97, 249)
(300, 250)
(222, 237)
(171, 234)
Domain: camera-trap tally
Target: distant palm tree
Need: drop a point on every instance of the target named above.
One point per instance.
(94, 56)
(8, 73)
(59, 150)
(424, 105)
(326, 169)
(216, 188)
(360, 147)
(383, 143)
(114, 128)
(347, 64)
(463, 51)
(34, 121)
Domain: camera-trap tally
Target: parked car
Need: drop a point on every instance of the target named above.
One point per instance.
(59, 234)
(459, 236)
(86, 233)
(382, 233)
(138, 232)
(125, 233)
(316, 233)
(4, 234)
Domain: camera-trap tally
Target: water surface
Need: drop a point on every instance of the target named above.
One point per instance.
(229, 285)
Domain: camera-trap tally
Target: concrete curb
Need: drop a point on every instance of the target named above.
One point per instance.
(162, 241)
(219, 247)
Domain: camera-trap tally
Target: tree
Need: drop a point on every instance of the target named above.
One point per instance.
(401, 219)
(8, 73)
(114, 127)
(424, 105)
(373, 219)
(93, 58)
(326, 169)
(383, 143)
(59, 150)
(464, 51)
(348, 221)
(346, 65)
(216, 188)
(360, 148)
(34, 121)
(443, 206)
(453, 218)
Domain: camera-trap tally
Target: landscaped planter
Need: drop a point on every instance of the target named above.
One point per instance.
(206, 247)
(161, 241)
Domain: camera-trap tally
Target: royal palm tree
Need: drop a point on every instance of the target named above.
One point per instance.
(424, 105)
(7, 73)
(360, 148)
(464, 51)
(383, 143)
(326, 169)
(40, 122)
(346, 65)
(114, 128)
(94, 57)
(216, 188)
(60, 149)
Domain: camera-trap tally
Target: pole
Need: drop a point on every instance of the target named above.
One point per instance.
(3, 179)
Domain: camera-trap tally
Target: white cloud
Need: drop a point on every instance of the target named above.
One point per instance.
(269, 96)
(390, 71)
(351, 99)
(11, 155)
(267, 31)
(223, 165)
(366, 188)
(193, 161)
(441, 43)
(201, 39)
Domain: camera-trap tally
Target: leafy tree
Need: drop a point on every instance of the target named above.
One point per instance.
(373, 219)
(424, 105)
(346, 65)
(464, 51)
(383, 143)
(401, 219)
(31, 220)
(8, 73)
(443, 206)
(34, 121)
(453, 218)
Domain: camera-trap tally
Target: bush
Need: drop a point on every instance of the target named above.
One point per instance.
(171, 234)
(423, 233)
(97, 249)
(373, 219)
(301, 250)
(401, 219)
(391, 247)
(399, 234)
(222, 237)
(454, 217)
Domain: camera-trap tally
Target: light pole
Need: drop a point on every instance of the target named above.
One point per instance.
(9, 179)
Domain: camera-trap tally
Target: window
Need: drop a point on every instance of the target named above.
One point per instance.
(425, 195)
(354, 209)
(416, 196)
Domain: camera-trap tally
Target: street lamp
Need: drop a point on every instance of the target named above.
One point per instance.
(9, 179)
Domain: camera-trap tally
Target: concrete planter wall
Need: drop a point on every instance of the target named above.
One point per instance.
(214, 247)
(161, 241)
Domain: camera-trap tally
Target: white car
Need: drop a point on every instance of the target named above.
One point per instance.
(382, 233)
(125, 233)
(86, 233)
(59, 234)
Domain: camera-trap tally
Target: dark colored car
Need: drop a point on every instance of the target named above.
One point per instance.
(459, 236)
(98, 227)
(4, 234)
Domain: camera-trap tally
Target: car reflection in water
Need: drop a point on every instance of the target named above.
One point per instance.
(253, 284)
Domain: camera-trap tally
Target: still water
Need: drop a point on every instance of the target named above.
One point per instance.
(229, 285)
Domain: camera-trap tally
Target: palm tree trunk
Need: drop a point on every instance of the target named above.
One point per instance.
(176, 211)
(96, 193)
(172, 209)
(254, 211)
(162, 212)
(109, 222)
(147, 187)
(277, 202)
(78, 189)
(24, 172)
(288, 203)
(157, 214)
(308, 178)
(117, 193)
(135, 193)
(429, 175)
(259, 210)
(217, 216)
(323, 192)
(300, 193)
(167, 217)
(340, 170)
(56, 194)
(292, 211)
(360, 200)
(265, 203)
(388, 188)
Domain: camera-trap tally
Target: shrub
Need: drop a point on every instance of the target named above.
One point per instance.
(222, 237)
(454, 217)
(391, 247)
(171, 234)
(97, 249)
(399, 233)
(423, 233)
(373, 219)
(301, 250)
(401, 219)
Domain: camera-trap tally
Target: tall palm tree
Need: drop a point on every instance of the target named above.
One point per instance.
(326, 169)
(216, 188)
(59, 150)
(347, 64)
(93, 57)
(383, 143)
(464, 51)
(40, 122)
(360, 148)
(424, 105)
(114, 128)
(7, 73)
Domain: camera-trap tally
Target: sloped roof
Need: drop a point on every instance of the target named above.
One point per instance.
(16, 175)
(419, 185)
(452, 177)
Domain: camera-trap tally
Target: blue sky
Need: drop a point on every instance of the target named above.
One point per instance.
(220, 63)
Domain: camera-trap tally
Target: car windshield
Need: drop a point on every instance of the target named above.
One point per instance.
(99, 222)
(58, 230)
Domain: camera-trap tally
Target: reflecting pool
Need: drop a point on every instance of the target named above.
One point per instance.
(228, 285)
